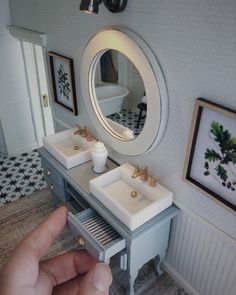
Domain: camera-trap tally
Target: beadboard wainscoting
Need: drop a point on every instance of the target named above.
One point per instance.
(201, 257)
(18, 126)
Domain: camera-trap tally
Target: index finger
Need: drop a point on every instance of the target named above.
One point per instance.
(40, 239)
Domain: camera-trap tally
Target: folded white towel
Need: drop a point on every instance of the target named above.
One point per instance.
(128, 133)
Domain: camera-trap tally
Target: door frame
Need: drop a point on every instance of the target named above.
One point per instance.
(29, 40)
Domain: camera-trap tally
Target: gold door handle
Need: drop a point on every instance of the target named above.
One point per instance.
(45, 100)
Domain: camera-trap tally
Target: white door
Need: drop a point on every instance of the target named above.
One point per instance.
(37, 83)
(17, 123)
(43, 90)
(26, 115)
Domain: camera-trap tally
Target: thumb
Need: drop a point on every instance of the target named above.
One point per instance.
(97, 281)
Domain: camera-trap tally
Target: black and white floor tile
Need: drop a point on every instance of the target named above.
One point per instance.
(128, 119)
(20, 176)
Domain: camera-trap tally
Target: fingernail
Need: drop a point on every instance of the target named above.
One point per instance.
(102, 277)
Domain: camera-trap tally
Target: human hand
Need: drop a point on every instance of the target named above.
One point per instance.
(74, 272)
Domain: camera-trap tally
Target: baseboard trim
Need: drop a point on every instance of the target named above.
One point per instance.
(175, 275)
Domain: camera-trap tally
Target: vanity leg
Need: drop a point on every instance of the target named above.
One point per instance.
(157, 262)
(132, 277)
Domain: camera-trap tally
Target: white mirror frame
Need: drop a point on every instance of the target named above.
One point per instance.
(137, 51)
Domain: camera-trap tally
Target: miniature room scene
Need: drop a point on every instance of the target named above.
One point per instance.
(118, 147)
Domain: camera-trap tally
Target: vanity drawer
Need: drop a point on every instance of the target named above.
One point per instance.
(51, 174)
(58, 190)
(95, 235)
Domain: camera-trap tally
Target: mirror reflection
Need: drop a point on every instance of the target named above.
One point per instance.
(120, 94)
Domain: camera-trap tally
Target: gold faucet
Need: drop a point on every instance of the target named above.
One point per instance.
(143, 173)
(81, 131)
(84, 132)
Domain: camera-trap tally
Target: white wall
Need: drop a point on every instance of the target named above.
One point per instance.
(12, 75)
(5, 16)
(195, 44)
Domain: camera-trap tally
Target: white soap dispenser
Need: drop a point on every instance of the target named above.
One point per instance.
(99, 157)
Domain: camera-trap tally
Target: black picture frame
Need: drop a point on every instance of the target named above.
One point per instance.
(63, 81)
(210, 163)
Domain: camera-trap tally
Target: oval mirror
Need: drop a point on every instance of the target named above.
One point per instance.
(146, 96)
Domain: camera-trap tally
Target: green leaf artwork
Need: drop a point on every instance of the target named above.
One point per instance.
(220, 161)
(63, 82)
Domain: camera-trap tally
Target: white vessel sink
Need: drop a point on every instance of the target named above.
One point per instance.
(114, 189)
(62, 146)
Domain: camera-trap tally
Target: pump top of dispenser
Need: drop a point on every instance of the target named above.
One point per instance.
(99, 147)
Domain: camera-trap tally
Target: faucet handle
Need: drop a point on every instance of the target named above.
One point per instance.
(153, 181)
(84, 132)
(136, 169)
(89, 137)
(145, 168)
(80, 131)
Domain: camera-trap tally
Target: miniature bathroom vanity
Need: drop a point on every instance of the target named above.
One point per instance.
(99, 231)
(103, 217)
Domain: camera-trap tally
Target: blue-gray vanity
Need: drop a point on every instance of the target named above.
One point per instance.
(97, 230)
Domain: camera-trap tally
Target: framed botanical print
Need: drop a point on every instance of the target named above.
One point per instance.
(63, 81)
(210, 163)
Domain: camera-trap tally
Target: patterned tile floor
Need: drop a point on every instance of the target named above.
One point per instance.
(20, 176)
(128, 119)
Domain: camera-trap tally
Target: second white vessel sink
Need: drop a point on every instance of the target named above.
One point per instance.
(116, 190)
(69, 149)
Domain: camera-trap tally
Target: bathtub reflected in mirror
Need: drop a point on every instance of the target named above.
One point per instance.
(120, 94)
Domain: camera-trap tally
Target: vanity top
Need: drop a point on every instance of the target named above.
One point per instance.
(79, 178)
